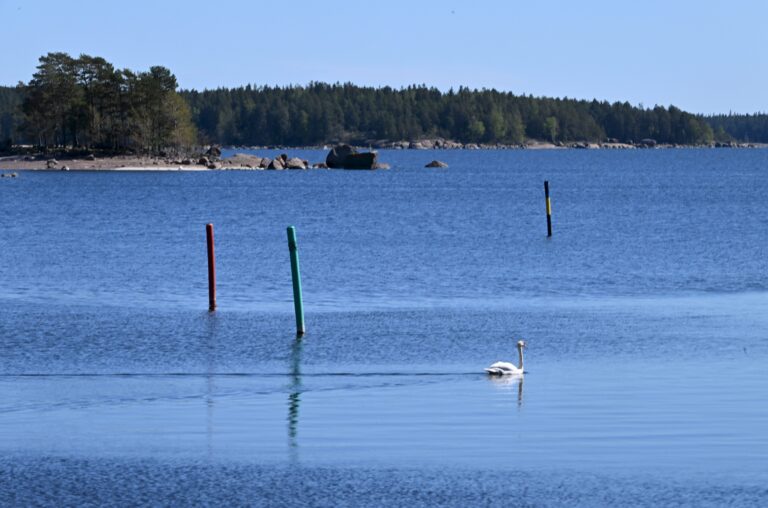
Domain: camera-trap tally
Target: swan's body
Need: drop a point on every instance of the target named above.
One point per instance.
(503, 369)
(506, 368)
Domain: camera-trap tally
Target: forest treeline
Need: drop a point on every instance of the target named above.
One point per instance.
(321, 113)
(87, 102)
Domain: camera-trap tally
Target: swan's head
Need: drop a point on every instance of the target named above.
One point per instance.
(521, 344)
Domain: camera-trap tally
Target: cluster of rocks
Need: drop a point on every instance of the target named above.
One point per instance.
(434, 144)
(422, 144)
(340, 156)
(8, 175)
(282, 161)
(54, 164)
(733, 144)
(610, 143)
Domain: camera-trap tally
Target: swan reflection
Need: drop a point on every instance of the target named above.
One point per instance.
(509, 383)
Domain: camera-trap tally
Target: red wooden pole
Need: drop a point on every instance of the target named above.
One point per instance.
(211, 269)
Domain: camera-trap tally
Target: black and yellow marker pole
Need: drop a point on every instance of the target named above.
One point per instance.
(549, 208)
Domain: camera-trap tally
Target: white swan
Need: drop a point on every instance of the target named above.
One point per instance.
(506, 368)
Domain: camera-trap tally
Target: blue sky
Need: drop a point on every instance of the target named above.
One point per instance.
(705, 56)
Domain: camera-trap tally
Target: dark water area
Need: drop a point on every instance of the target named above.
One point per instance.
(645, 317)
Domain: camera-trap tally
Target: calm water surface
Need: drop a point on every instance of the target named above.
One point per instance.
(645, 316)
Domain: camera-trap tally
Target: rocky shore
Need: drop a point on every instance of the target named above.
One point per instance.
(443, 144)
(138, 163)
(212, 160)
(341, 157)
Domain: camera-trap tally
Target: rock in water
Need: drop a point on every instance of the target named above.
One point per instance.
(295, 163)
(365, 160)
(436, 164)
(338, 155)
(346, 157)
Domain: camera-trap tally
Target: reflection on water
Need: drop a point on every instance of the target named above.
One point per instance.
(509, 383)
(294, 396)
(210, 387)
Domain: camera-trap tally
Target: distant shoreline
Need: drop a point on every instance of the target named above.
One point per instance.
(441, 145)
(241, 161)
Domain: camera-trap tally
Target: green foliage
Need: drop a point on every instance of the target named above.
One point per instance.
(10, 113)
(87, 103)
(551, 128)
(321, 113)
(747, 128)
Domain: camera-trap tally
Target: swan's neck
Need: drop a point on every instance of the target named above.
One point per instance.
(520, 353)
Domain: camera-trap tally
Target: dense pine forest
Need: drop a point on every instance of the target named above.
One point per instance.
(320, 113)
(86, 102)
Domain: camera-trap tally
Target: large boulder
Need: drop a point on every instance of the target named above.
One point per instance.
(277, 163)
(427, 144)
(338, 155)
(51, 163)
(242, 160)
(436, 164)
(365, 160)
(346, 157)
(295, 163)
(214, 151)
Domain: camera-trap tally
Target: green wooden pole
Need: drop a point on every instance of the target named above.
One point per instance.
(298, 304)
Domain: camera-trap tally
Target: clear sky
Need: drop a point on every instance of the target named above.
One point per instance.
(706, 56)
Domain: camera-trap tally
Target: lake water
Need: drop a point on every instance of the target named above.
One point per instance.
(645, 317)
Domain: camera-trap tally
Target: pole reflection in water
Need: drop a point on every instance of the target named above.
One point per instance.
(294, 398)
(509, 383)
(210, 350)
